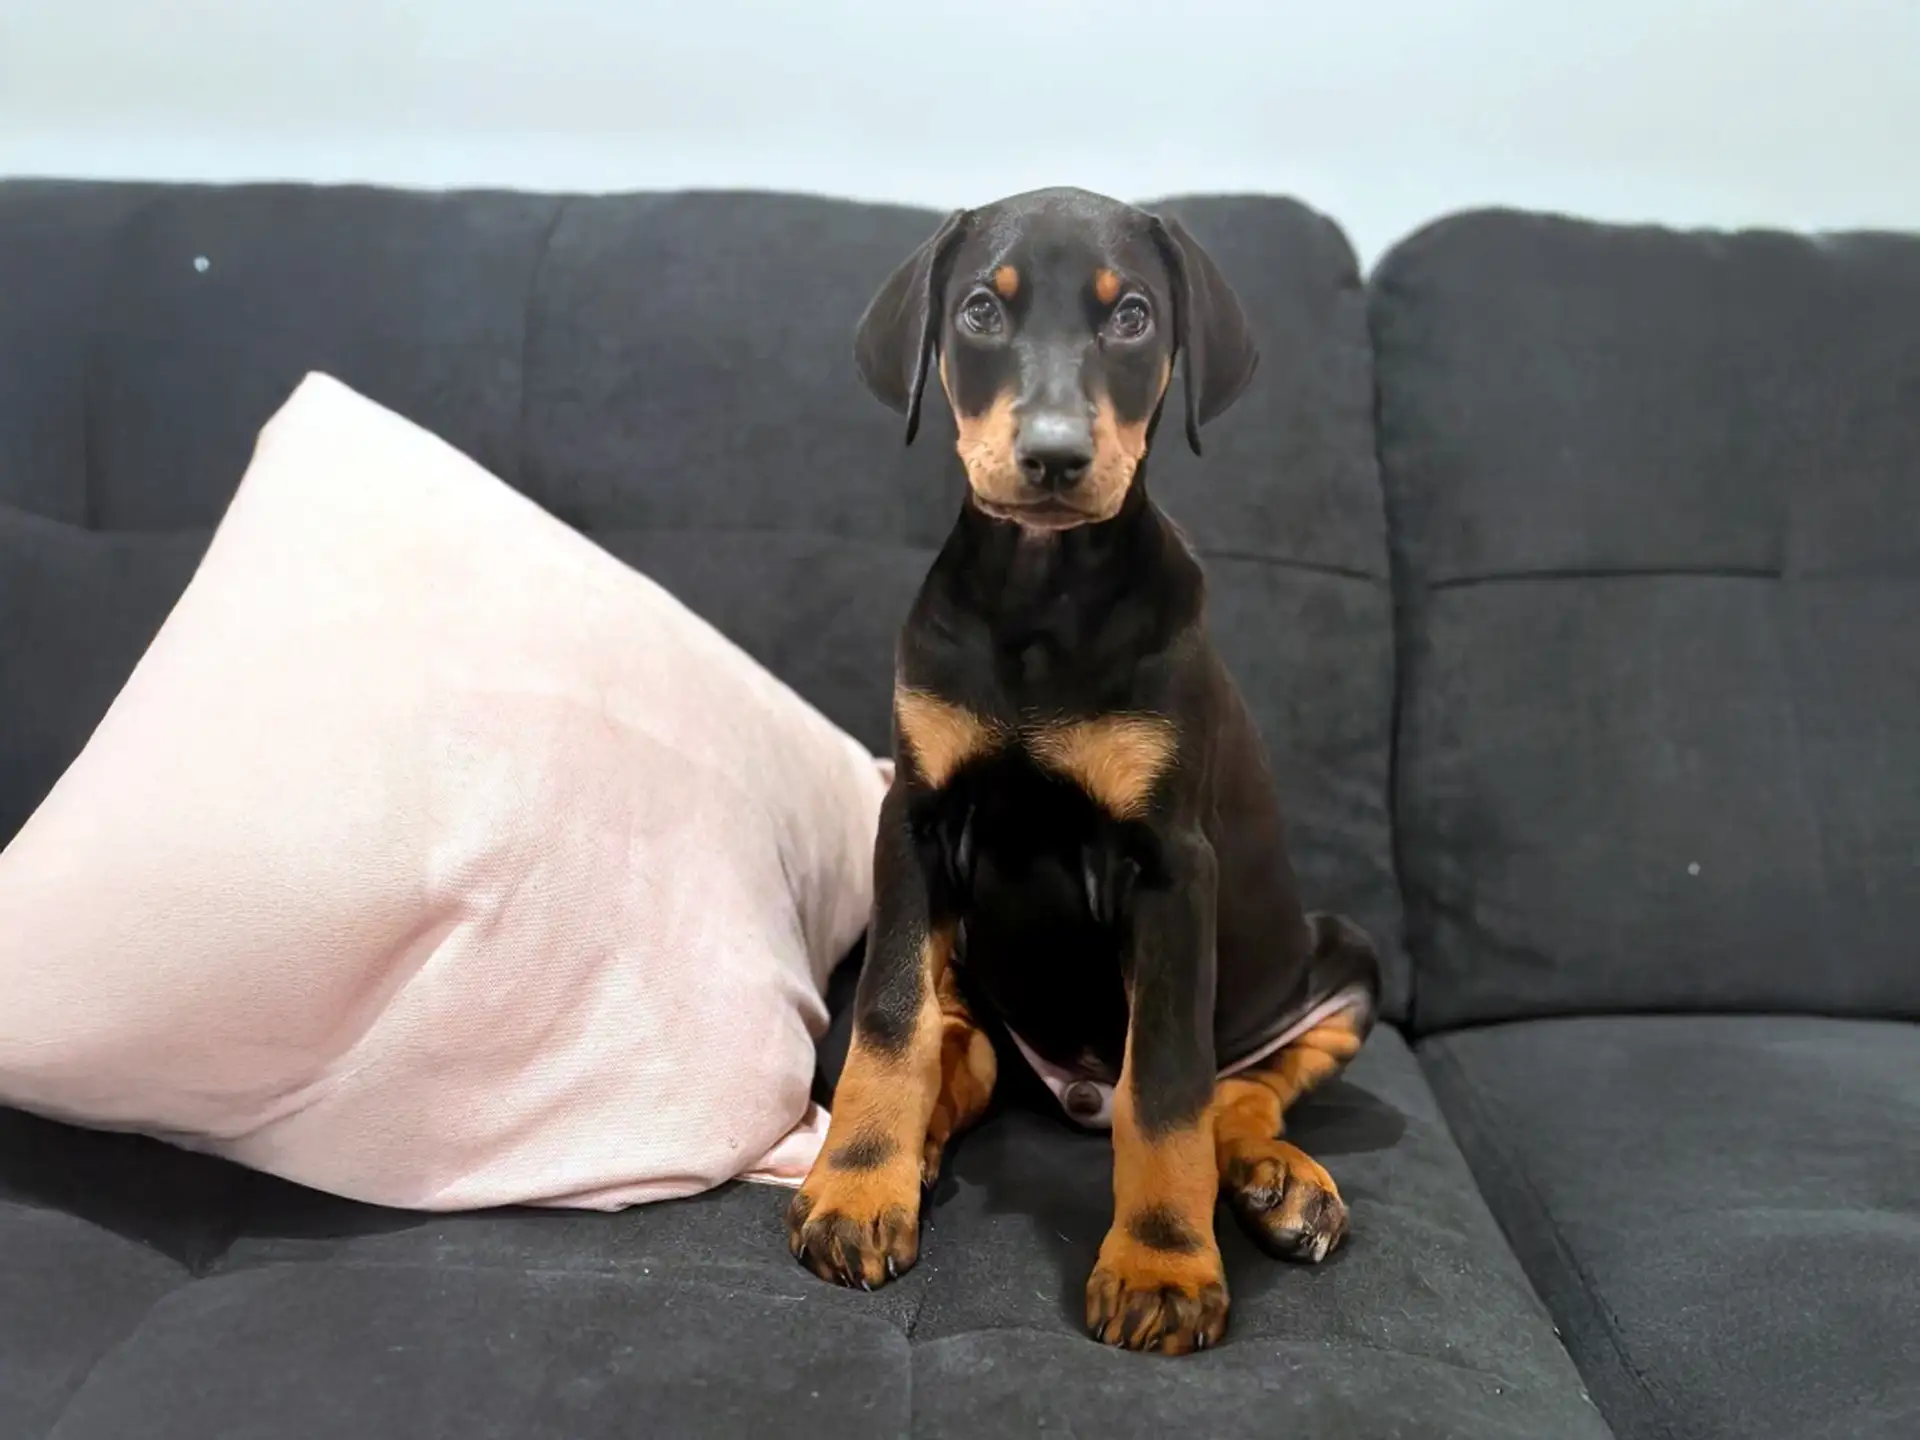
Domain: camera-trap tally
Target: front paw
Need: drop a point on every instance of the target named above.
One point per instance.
(1286, 1202)
(859, 1229)
(1143, 1298)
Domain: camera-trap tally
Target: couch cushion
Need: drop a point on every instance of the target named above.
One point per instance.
(94, 1230)
(1420, 1325)
(142, 379)
(689, 1317)
(1723, 1213)
(1655, 506)
(672, 374)
(364, 1352)
(1423, 1320)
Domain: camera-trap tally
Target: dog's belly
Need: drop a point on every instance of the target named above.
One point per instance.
(1050, 977)
(1040, 878)
(1033, 874)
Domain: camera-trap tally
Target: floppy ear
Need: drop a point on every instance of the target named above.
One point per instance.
(1209, 328)
(895, 342)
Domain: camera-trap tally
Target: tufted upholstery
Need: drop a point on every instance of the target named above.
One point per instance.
(1656, 507)
(672, 374)
(1571, 574)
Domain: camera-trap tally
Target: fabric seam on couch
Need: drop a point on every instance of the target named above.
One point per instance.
(628, 1271)
(1539, 1219)
(1397, 581)
(1280, 562)
(785, 532)
(107, 1352)
(520, 478)
(1618, 572)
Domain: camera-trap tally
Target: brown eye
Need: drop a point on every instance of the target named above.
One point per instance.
(981, 315)
(1131, 319)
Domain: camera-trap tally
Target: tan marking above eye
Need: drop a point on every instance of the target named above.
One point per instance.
(1117, 759)
(1106, 286)
(1006, 282)
(942, 737)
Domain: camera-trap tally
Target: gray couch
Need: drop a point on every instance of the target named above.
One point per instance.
(1573, 574)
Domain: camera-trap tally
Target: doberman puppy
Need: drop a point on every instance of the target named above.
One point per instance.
(1081, 849)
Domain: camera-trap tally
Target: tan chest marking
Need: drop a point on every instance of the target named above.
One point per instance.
(1117, 759)
(942, 736)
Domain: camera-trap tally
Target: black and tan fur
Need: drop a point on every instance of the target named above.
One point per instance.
(1082, 836)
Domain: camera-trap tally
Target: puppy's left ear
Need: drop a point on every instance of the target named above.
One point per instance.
(1210, 328)
(898, 334)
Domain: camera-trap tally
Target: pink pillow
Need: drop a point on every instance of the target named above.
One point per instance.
(434, 858)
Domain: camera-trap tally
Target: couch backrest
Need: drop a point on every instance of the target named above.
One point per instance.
(671, 374)
(1655, 509)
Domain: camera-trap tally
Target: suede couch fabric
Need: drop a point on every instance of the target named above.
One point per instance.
(221, 1302)
(1597, 655)
(1723, 1211)
(1656, 530)
(1654, 506)
(672, 375)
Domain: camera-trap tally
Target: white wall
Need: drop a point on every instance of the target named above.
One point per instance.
(1383, 112)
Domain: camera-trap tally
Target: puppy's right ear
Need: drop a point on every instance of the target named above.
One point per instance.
(897, 337)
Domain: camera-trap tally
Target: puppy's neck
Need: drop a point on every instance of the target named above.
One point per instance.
(1012, 570)
(1063, 606)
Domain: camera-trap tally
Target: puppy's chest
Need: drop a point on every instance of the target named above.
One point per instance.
(1117, 760)
(1036, 832)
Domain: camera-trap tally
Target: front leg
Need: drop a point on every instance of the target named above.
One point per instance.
(1159, 1284)
(856, 1219)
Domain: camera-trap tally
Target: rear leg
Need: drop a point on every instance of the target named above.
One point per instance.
(1282, 1196)
(968, 1069)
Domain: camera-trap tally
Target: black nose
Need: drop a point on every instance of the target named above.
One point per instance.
(1054, 451)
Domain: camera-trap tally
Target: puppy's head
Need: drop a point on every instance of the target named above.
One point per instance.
(1053, 321)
